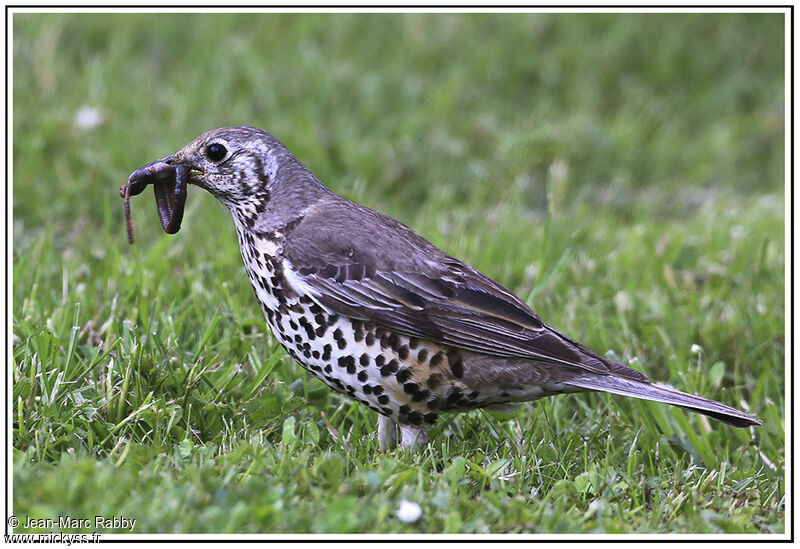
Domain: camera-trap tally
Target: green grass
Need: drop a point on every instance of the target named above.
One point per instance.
(623, 174)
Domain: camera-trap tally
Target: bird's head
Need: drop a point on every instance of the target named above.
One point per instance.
(232, 163)
(245, 168)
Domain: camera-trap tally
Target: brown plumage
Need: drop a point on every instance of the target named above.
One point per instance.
(372, 308)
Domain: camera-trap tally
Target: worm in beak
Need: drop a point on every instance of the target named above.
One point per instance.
(169, 186)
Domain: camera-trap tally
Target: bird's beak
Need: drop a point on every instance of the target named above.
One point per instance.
(169, 179)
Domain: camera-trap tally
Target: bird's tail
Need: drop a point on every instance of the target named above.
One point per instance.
(658, 393)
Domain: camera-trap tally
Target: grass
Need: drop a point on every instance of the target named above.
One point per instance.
(622, 173)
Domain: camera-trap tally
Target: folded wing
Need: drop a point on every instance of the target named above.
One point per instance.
(407, 285)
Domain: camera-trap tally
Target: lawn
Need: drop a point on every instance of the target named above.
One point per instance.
(624, 174)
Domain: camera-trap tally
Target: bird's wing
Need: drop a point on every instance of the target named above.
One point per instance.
(405, 284)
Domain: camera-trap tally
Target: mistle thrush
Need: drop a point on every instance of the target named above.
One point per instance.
(373, 309)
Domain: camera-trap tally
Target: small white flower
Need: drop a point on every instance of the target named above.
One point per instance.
(409, 511)
(696, 349)
(88, 118)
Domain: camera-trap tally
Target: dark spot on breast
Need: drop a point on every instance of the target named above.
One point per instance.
(422, 355)
(453, 395)
(362, 375)
(415, 418)
(419, 396)
(402, 352)
(364, 360)
(435, 404)
(358, 334)
(437, 360)
(457, 368)
(339, 337)
(434, 380)
(411, 388)
(383, 399)
(307, 327)
(349, 363)
(392, 365)
(403, 375)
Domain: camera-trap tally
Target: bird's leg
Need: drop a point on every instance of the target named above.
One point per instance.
(387, 433)
(412, 437)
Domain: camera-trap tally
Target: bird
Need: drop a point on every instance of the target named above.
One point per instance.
(373, 309)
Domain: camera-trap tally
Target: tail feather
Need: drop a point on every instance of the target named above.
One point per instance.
(659, 393)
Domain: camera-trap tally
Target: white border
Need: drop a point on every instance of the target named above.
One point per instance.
(362, 6)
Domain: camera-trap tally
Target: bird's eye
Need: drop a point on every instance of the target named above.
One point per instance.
(216, 152)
